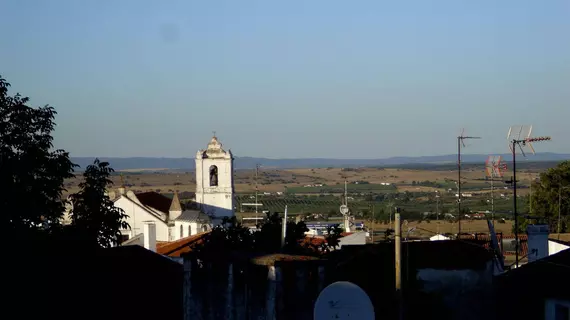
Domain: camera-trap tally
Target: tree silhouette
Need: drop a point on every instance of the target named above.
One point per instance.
(552, 194)
(32, 177)
(94, 215)
(31, 173)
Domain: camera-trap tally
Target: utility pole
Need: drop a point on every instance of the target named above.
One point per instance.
(437, 210)
(372, 230)
(284, 232)
(256, 188)
(560, 208)
(345, 194)
(398, 261)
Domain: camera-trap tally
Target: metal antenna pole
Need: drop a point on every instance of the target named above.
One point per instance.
(460, 142)
(515, 204)
(493, 201)
(459, 185)
(521, 138)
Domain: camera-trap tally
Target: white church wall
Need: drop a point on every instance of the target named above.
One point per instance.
(137, 217)
(215, 200)
(183, 229)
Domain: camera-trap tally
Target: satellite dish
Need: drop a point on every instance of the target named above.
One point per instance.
(343, 300)
(344, 209)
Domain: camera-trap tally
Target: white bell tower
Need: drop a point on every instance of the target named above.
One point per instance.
(215, 181)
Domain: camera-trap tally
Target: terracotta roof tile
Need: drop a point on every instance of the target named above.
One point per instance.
(155, 200)
(176, 248)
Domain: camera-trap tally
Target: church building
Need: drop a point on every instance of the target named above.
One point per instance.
(214, 198)
(215, 181)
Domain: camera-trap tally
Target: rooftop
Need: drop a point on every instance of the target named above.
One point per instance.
(193, 216)
(178, 247)
(155, 200)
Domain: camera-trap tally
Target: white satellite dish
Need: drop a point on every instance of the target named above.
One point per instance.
(343, 300)
(344, 209)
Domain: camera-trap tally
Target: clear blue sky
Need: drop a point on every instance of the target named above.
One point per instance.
(343, 79)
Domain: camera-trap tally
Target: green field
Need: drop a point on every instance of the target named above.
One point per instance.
(330, 205)
(339, 188)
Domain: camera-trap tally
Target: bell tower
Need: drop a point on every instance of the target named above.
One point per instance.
(215, 181)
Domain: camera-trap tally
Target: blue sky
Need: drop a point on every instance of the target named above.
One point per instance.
(320, 78)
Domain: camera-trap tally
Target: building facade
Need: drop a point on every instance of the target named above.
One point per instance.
(215, 181)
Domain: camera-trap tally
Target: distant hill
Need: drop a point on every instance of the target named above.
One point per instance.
(182, 164)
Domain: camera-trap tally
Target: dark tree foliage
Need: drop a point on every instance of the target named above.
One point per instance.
(232, 237)
(31, 173)
(94, 216)
(552, 194)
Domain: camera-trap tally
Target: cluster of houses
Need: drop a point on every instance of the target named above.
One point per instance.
(468, 278)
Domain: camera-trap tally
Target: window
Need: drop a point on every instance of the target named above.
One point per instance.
(213, 176)
(204, 228)
(181, 231)
(189, 230)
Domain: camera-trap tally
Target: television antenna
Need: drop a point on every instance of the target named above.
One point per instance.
(343, 300)
(494, 168)
(460, 142)
(519, 138)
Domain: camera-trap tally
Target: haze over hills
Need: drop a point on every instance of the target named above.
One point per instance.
(134, 163)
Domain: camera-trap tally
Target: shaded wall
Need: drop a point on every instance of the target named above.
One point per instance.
(243, 290)
(119, 283)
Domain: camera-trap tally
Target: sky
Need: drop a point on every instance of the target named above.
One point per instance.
(291, 79)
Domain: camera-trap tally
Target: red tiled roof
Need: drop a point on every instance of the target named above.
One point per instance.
(319, 240)
(155, 200)
(178, 247)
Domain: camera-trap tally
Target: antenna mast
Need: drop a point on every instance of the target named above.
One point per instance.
(519, 136)
(494, 169)
(460, 142)
(256, 188)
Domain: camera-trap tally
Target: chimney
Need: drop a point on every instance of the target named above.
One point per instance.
(149, 235)
(537, 241)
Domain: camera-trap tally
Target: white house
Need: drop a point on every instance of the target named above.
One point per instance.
(438, 237)
(215, 180)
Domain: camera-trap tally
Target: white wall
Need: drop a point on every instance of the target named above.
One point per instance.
(217, 200)
(137, 216)
(555, 247)
(188, 229)
(357, 238)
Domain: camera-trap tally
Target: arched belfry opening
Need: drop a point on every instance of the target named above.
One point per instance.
(213, 176)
